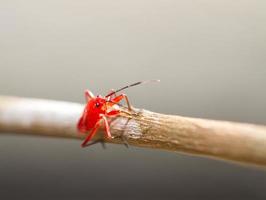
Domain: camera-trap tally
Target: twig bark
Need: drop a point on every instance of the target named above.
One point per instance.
(244, 143)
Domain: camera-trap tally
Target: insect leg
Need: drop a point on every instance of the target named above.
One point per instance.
(92, 133)
(113, 113)
(107, 127)
(113, 93)
(88, 95)
(119, 98)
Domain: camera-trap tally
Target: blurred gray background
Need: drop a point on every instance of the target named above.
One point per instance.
(209, 55)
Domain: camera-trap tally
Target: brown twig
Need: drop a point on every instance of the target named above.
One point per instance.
(244, 143)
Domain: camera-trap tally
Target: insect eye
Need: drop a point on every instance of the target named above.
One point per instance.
(97, 104)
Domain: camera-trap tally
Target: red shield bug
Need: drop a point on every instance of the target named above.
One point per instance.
(99, 108)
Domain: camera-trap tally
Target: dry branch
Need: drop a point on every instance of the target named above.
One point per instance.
(244, 143)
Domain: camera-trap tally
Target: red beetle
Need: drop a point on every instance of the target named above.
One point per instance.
(99, 108)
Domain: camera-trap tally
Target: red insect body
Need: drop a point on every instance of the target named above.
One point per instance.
(99, 108)
(91, 114)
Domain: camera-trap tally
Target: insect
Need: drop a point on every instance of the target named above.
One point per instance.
(99, 108)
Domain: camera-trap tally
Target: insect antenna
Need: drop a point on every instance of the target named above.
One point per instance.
(131, 85)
